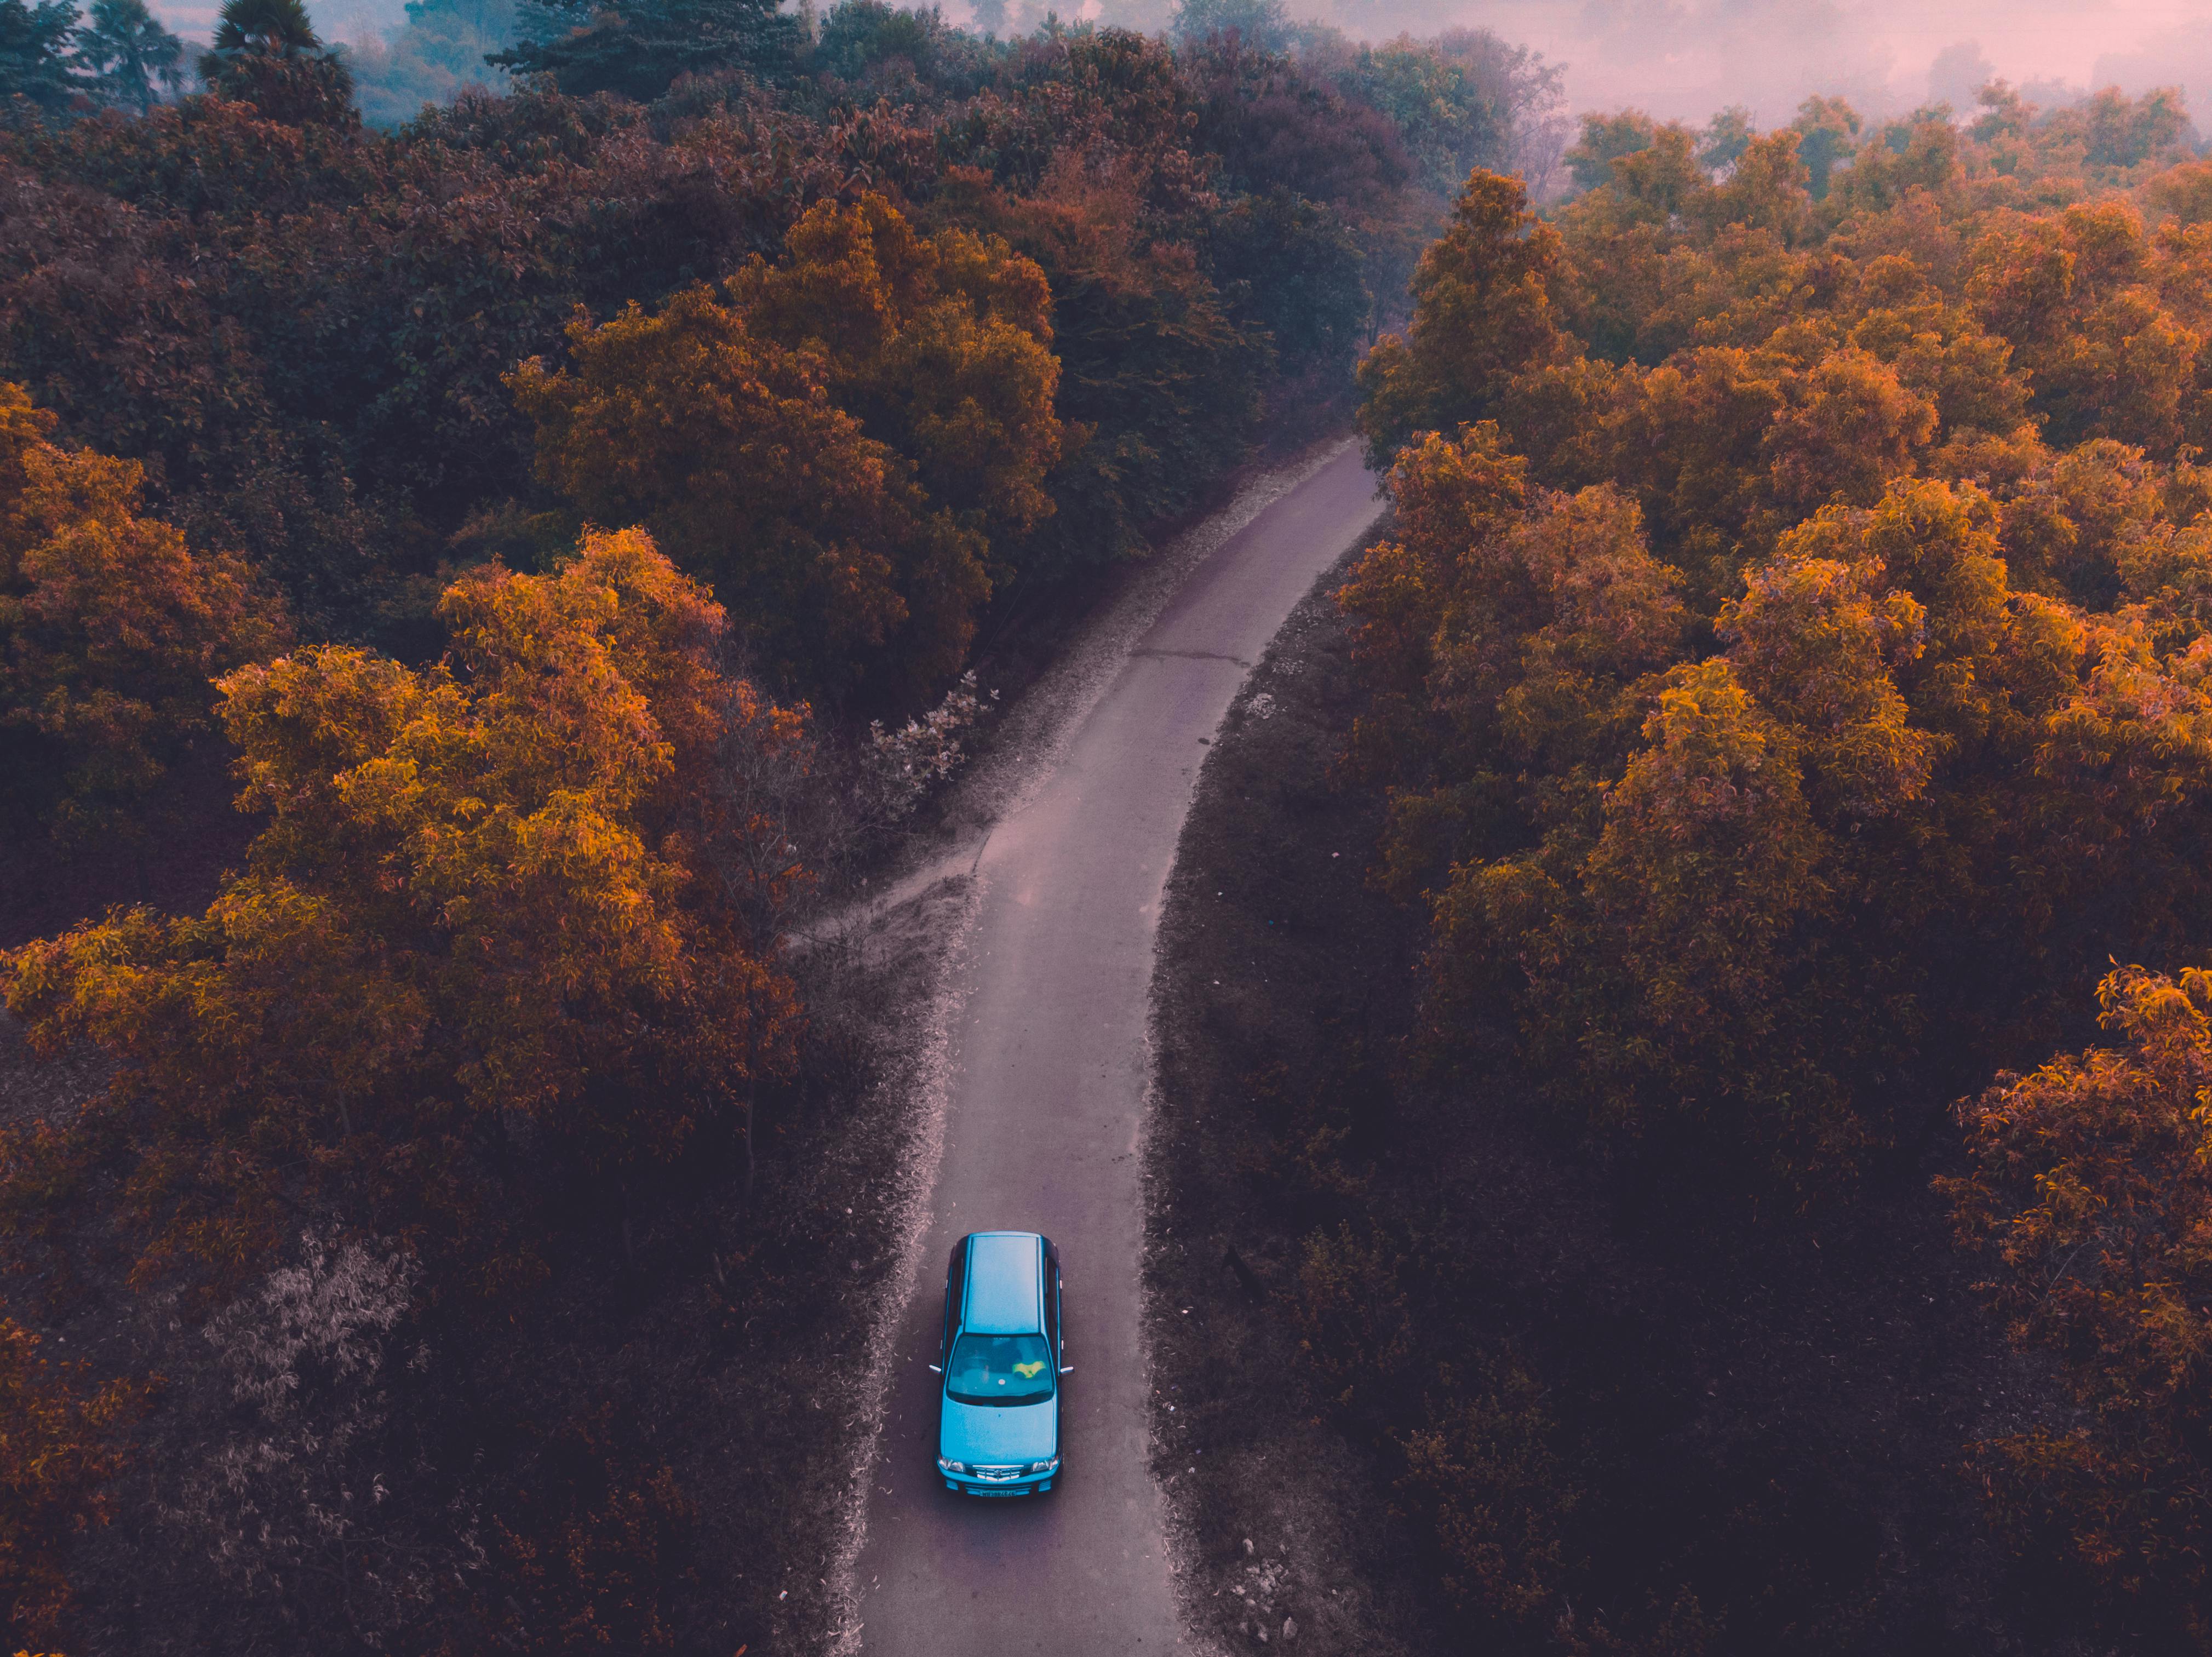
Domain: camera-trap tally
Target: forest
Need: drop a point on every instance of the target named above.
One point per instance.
(472, 587)
(1783, 695)
(480, 576)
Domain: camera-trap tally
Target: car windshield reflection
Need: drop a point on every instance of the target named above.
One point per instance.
(999, 1369)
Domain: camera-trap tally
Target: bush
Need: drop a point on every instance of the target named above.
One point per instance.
(1350, 1314)
(110, 631)
(312, 1511)
(2092, 1188)
(1483, 1476)
(59, 1443)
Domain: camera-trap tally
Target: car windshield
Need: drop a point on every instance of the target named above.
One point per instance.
(999, 1369)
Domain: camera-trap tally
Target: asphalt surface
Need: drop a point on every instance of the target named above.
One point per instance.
(1044, 1107)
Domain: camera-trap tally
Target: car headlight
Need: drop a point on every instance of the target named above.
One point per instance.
(945, 1466)
(1051, 1466)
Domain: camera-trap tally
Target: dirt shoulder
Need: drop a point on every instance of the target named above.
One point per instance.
(1268, 928)
(1728, 1442)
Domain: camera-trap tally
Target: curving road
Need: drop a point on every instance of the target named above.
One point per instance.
(1045, 1103)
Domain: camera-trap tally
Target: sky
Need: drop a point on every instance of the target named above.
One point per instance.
(1686, 58)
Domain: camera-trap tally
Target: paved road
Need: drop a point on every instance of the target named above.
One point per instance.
(1050, 1069)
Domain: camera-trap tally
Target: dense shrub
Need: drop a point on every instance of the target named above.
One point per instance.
(2092, 1189)
(59, 1446)
(110, 630)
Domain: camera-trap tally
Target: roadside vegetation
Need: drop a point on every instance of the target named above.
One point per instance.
(478, 585)
(1774, 1218)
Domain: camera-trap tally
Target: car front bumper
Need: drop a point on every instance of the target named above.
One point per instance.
(990, 1481)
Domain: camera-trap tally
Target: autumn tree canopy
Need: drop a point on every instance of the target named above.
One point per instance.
(833, 442)
(491, 899)
(1788, 682)
(2091, 1199)
(110, 629)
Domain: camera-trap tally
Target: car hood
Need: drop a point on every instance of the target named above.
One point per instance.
(999, 1436)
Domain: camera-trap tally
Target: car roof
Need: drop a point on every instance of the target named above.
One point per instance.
(1005, 1291)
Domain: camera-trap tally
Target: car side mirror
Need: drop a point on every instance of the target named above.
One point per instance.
(936, 1368)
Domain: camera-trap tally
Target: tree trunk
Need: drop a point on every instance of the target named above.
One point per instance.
(745, 1207)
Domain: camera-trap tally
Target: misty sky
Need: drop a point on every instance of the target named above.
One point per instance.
(1689, 58)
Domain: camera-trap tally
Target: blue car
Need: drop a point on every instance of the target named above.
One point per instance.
(1002, 1354)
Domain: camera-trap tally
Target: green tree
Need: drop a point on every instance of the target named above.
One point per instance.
(2123, 132)
(1263, 25)
(1725, 137)
(34, 53)
(638, 48)
(1829, 131)
(124, 50)
(1603, 140)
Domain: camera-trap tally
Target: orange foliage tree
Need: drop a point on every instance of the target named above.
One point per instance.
(940, 344)
(56, 1448)
(834, 444)
(497, 915)
(2092, 1188)
(110, 629)
(1483, 311)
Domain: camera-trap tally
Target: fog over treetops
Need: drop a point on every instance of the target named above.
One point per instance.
(1687, 58)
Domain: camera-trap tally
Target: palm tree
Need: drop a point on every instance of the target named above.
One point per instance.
(267, 53)
(277, 27)
(124, 49)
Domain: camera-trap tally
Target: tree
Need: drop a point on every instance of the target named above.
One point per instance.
(2092, 1188)
(873, 46)
(1263, 25)
(732, 449)
(2184, 190)
(837, 446)
(1725, 138)
(2124, 131)
(1463, 101)
(110, 630)
(1829, 130)
(639, 48)
(124, 49)
(1679, 985)
(302, 1496)
(1605, 139)
(1848, 428)
(34, 42)
(941, 345)
(266, 54)
(1482, 314)
(57, 1447)
(494, 901)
